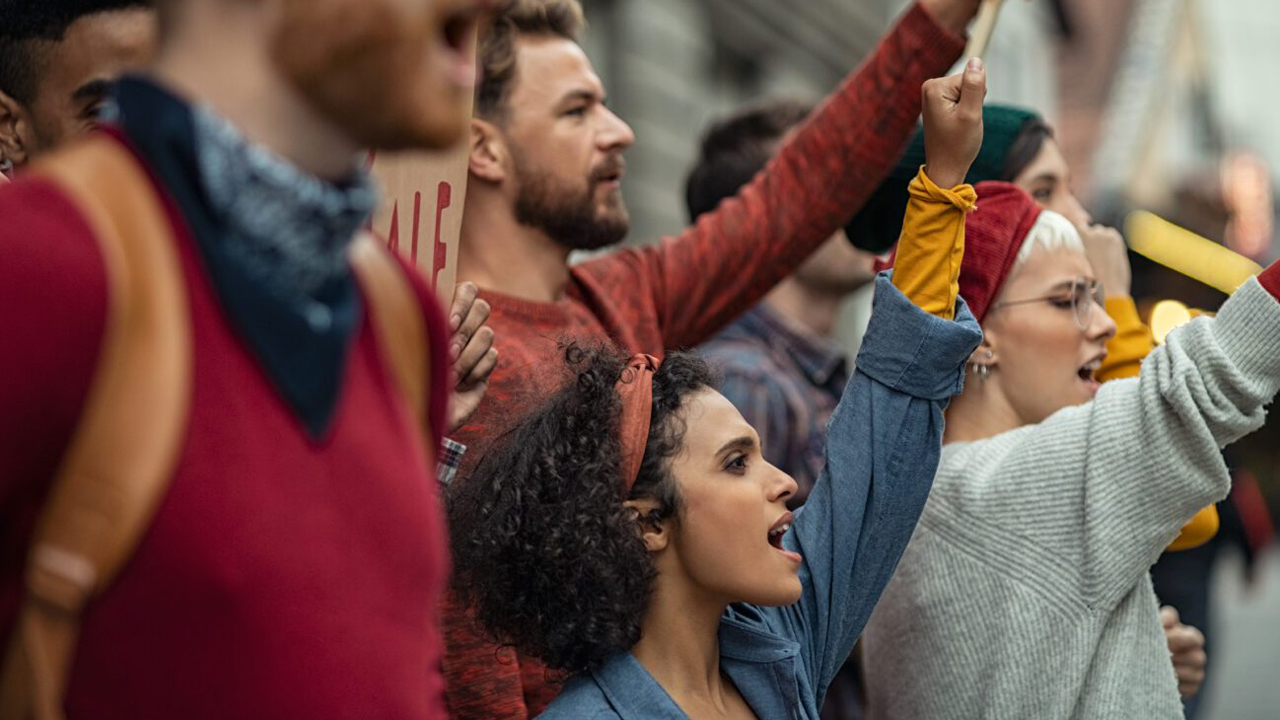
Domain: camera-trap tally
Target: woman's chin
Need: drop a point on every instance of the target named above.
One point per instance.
(778, 594)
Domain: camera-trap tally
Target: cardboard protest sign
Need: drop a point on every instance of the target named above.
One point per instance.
(420, 215)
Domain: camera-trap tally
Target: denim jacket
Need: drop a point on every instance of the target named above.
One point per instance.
(883, 446)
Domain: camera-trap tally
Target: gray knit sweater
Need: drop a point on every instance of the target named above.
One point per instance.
(1025, 592)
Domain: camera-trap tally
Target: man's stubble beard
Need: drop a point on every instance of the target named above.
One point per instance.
(568, 216)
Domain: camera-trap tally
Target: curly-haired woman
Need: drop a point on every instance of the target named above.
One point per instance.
(1025, 591)
(629, 530)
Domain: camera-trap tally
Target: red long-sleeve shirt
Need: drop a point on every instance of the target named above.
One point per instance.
(680, 292)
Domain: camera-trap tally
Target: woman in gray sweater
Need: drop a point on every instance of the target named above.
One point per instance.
(1024, 592)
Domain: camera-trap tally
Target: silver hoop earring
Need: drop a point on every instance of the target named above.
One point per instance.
(982, 371)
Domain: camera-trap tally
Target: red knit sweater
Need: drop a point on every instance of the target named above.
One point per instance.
(680, 292)
(282, 577)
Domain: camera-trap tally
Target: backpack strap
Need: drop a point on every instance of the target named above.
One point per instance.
(398, 321)
(121, 457)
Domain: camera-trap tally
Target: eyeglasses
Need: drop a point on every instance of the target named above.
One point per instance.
(1082, 297)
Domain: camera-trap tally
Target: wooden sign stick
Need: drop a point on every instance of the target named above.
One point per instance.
(983, 28)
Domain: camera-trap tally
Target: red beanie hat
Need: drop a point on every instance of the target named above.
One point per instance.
(993, 235)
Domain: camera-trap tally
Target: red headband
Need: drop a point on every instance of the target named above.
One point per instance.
(635, 387)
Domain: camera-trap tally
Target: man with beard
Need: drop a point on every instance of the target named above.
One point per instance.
(292, 564)
(545, 173)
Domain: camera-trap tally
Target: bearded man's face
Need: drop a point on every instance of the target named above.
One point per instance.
(392, 74)
(566, 146)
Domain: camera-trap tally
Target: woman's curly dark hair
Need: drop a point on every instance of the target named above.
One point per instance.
(543, 547)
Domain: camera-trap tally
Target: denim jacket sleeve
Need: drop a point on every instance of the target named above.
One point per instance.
(882, 450)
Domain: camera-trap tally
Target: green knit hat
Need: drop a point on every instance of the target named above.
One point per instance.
(877, 226)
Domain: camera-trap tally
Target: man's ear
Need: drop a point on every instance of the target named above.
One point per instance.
(488, 156)
(654, 531)
(13, 128)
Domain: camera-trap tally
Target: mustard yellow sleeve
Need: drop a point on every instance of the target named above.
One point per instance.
(1198, 531)
(927, 268)
(1131, 344)
(1125, 353)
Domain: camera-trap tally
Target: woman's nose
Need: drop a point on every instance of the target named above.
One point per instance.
(784, 487)
(1101, 326)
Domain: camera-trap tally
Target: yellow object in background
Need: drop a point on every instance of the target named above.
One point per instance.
(1188, 253)
(1167, 315)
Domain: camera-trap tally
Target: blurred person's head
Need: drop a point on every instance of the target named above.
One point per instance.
(1035, 163)
(543, 142)
(1027, 279)
(571, 583)
(1018, 147)
(738, 147)
(58, 60)
(317, 80)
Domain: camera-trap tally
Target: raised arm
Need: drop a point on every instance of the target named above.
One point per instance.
(884, 438)
(1109, 256)
(715, 270)
(1113, 481)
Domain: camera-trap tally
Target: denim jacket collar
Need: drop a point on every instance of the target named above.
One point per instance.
(761, 665)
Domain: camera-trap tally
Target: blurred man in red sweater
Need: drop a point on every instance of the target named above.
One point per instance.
(545, 180)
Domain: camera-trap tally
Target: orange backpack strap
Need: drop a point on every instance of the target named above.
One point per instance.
(120, 460)
(398, 321)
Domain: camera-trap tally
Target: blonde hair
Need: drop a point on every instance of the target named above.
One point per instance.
(1050, 232)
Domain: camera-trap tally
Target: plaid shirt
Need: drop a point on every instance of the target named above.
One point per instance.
(786, 382)
(450, 457)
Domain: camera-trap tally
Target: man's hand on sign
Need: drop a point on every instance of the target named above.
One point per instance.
(1109, 257)
(1186, 646)
(953, 123)
(472, 353)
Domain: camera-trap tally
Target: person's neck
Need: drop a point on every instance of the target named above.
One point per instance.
(814, 310)
(980, 412)
(243, 87)
(680, 646)
(497, 253)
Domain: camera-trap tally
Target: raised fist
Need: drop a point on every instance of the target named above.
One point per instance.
(1109, 257)
(953, 123)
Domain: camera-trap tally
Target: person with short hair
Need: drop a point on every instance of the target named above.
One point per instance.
(295, 562)
(58, 60)
(629, 530)
(545, 175)
(1025, 590)
(780, 365)
(1020, 147)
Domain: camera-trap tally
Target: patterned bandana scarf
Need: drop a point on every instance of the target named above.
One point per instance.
(288, 226)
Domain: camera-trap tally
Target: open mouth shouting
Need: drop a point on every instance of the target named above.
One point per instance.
(776, 534)
(1087, 374)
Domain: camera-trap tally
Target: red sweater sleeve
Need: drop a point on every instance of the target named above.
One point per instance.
(721, 266)
(53, 295)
